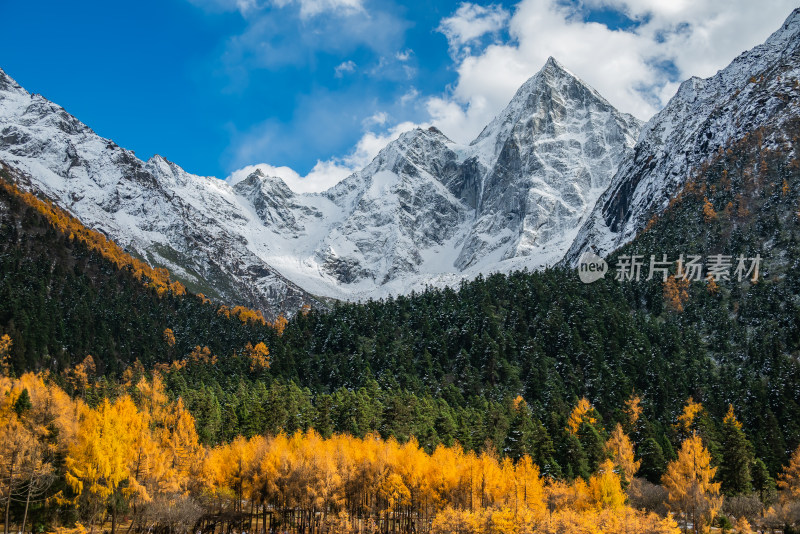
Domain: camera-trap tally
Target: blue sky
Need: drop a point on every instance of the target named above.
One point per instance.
(215, 85)
(171, 77)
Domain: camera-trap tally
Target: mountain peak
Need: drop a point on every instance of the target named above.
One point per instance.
(550, 91)
(7, 83)
(552, 64)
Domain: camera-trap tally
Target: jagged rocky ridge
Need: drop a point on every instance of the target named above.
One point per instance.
(154, 209)
(425, 211)
(760, 87)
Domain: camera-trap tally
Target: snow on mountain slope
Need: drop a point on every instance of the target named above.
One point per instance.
(549, 155)
(154, 209)
(759, 87)
(429, 211)
(425, 211)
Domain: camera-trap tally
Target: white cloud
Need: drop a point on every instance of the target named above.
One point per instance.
(311, 8)
(409, 96)
(404, 55)
(326, 174)
(470, 22)
(371, 143)
(637, 69)
(380, 118)
(346, 67)
(308, 8)
(242, 6)
(692, 38)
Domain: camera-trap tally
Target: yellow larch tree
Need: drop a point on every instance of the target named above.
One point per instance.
(689, 414)
(689, 482)
(709, 214)
(633, 409)
(19, 449)
(258, 356)
(789, 478)
(676, 293)
(181, 444)
(583, 412)
(169, 337)
(605, 487)
(620, 449)
(5, 355)
(100, 461)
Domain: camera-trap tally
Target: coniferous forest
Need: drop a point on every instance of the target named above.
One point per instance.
(527, 402)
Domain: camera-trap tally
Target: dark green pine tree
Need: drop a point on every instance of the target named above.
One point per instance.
(653, 464)
(763, 484)
(23, 403)
(520, 432)
(593, 444)
(737, 457)
(573, 457)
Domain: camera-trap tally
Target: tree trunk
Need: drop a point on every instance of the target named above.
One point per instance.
(10, 489)
(114, 514)
(27, 502)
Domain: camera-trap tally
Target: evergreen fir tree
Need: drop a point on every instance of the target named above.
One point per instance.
(737, 457)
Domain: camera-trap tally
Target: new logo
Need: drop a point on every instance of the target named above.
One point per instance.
(591, 267)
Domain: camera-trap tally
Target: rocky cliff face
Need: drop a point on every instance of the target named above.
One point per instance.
(425, 211)
(548, 156)
(760, 87)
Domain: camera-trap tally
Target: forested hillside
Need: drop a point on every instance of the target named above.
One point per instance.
(496, 366)
(67, 292)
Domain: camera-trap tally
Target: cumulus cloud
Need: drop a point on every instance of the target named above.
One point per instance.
(345, 68)
(280, 33)
(404, 55)
(311, 8)
(307, 8)
(323, 176)
(637, 68)
(326, 174)
(471, 22)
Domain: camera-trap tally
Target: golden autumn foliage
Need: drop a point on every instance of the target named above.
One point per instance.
(712, 285)
(582, 413)
(730, 418)
(169, 337)
(676, 293)
(68, 225)
(605, 487)
(140, 454)
(5, 354)
(709, 214)
(789, 478)
(80, 376)
(620, 451)
(689, 414)
(279, 324)
(689, 481)
(633, 409)
(258, 356)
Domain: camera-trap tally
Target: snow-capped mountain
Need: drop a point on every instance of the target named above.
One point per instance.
(759, 87)
(154, 209)
(425, 211)
(548, 156)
